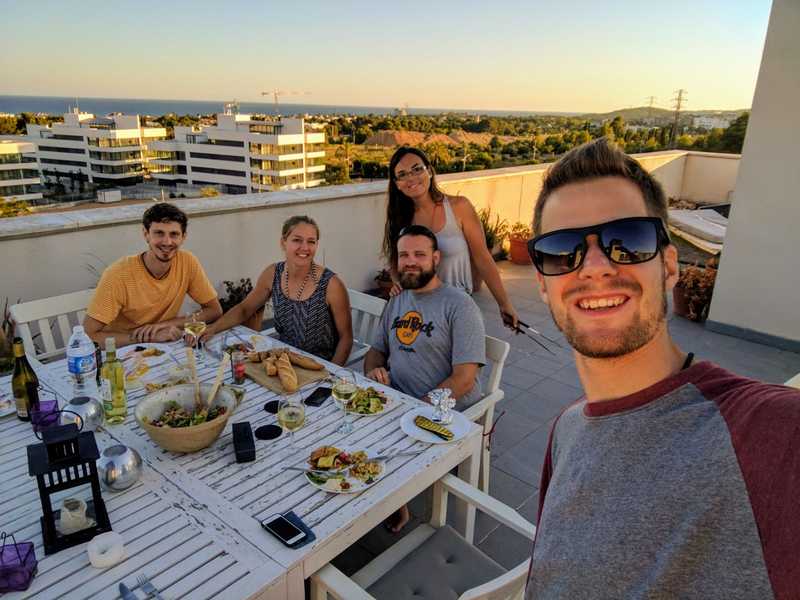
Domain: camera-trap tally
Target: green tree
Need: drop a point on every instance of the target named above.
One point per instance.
(618, 126)
(8, 125)
(733, 137)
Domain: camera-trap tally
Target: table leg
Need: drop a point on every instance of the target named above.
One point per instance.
(468, 471)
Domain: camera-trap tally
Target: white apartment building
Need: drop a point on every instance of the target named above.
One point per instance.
(241, 155)
(19, 173)
(711, 122)
(102, 150)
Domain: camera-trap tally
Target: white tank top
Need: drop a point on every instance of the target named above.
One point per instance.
(454, 267)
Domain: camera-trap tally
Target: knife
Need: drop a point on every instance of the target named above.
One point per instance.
(126, 593)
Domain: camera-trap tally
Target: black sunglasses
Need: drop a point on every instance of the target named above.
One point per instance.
(625, 241)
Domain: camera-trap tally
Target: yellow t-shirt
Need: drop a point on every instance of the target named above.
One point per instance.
(128, 296)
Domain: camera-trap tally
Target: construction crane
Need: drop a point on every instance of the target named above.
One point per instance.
(276, 93)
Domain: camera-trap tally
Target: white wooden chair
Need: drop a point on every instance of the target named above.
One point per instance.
(434, 561)
(64, 311)
(366, 311)
(482, 412)
(794, 381)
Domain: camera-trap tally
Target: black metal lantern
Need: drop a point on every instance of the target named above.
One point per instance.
(65, 460)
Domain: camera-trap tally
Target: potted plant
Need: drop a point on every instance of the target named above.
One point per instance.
(236, 292)
(384, 281)
(495, 233)
(6, 337)
(518, 237)
(692, 294)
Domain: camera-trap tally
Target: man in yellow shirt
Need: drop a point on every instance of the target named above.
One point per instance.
(138, 297)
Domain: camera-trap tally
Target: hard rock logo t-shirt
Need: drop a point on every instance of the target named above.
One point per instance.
(425, 334)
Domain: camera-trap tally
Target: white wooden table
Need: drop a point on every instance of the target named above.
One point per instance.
(207, 500)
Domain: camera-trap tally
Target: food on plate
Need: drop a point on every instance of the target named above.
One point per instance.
(367, 401)
(137, 371)
(367, 471)
(331, 483)
(238, 347)
(428, 425)
(270, 366)
(175, 415)
(147, 352)
(286, 373)
(327, 458)
(155, 386)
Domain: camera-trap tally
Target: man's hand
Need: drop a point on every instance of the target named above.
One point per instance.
(168, 334)
(157, 332)
(380, 375)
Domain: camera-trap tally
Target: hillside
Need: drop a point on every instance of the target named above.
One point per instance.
(658, 114)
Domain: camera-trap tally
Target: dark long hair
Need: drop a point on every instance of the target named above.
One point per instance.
(400, 208)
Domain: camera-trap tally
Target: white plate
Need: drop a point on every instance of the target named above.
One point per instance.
(389, 403)
(356, 485)
(460, 426)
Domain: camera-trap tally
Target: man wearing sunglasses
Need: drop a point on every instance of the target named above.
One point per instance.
(671, 478)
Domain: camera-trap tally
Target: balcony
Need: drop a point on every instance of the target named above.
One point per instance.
(537, 384)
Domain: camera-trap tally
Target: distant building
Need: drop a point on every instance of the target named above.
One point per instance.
(104, 150)
(241, 155)
(711, 122)
(19, 174)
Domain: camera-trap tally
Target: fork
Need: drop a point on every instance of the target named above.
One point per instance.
(147, 587)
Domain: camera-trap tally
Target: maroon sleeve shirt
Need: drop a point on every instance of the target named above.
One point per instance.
(689, 488)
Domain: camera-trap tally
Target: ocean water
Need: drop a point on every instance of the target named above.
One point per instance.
(57, 105)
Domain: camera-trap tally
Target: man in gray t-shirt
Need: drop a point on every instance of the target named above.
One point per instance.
(431, 335)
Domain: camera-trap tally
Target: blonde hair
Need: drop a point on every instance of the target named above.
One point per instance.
(292, 222)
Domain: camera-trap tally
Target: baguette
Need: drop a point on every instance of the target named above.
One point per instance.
(286, 373)
(304, 362)
(270, 367)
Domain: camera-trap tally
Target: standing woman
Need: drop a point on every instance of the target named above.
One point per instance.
(415, 199)
(311, 305)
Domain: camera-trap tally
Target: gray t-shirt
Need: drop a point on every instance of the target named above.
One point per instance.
(424, 334)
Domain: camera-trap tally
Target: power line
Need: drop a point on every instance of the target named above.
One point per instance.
(678, 101)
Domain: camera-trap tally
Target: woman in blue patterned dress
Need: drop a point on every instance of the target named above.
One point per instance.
(311, 305)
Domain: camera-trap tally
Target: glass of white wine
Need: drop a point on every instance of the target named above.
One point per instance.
(344, 386)
(291, 415)
(195, 329)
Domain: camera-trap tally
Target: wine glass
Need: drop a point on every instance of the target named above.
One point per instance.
(195, 329)
(344, 386)
(291, 415)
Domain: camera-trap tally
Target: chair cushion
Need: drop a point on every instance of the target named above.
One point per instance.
(442, 568)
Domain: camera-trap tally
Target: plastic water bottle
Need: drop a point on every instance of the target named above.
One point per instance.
(82, 363)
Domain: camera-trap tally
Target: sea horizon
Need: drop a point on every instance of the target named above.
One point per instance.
(58, 105)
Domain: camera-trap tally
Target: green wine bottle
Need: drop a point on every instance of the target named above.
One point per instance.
(115, 401)
(24, 383)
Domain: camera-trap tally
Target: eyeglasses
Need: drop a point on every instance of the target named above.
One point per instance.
(625, 242)
(417, 169)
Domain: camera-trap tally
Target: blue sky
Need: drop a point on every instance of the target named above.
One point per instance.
(576, 56)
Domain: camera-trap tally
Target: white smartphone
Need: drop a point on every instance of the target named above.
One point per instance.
(283, 529)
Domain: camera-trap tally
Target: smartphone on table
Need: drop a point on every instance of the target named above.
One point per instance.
(318, 396)
(283, 529)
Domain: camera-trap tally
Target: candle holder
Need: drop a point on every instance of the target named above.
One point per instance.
(18, 564)
(64, 460)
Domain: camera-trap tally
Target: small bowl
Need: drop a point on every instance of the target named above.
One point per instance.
(89, 409)
(119, 467)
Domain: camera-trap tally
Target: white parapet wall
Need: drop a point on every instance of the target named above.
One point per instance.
(237, 236)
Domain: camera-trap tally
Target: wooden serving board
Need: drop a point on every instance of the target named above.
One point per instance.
(256, 372)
